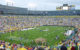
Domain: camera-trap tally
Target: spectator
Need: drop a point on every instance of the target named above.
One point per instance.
(76, 47)
(63, 47)
(40, 48)
(73, 47)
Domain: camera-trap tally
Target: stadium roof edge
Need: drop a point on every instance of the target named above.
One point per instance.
(12, 6)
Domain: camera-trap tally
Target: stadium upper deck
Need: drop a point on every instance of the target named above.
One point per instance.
(9, 10)
(12, 10)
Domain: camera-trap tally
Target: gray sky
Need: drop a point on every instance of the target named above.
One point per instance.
(41, 4)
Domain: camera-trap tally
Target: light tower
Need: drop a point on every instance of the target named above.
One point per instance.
(10, 2)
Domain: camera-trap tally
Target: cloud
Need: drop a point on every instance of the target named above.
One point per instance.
(76, 2)
(31, 5)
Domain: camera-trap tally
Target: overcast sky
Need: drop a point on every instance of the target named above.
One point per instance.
(41, 4)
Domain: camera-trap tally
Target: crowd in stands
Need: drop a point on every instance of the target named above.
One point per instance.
(19, 22)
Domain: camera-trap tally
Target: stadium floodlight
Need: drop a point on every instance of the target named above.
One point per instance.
(9, 2)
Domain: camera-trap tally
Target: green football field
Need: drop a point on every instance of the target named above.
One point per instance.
(27, 37)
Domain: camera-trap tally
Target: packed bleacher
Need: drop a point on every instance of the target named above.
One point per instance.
(19, 22)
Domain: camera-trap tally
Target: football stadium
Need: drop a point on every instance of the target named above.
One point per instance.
(23, 29)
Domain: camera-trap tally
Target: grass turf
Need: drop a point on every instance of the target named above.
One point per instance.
(27, 37)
